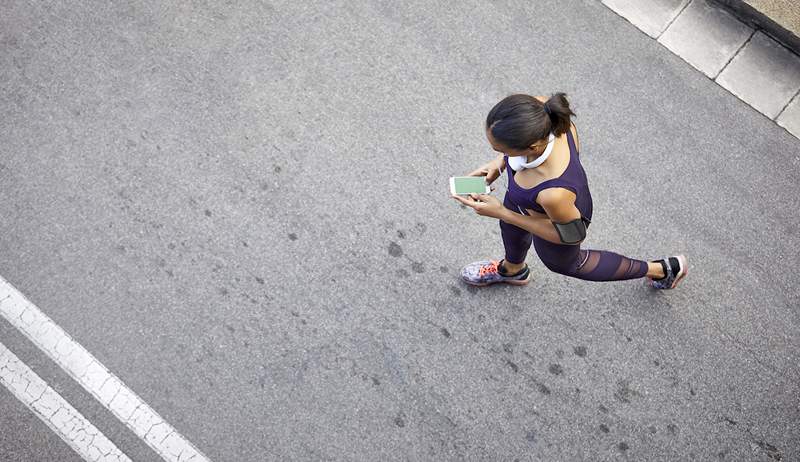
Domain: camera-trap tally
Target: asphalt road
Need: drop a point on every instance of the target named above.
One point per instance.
(241, 209)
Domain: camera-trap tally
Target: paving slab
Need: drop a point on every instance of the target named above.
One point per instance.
(650, 16)
(764, 74)
(706, 36)
(790, 117)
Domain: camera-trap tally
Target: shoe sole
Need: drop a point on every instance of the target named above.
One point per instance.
(684, 271)
(513, 282)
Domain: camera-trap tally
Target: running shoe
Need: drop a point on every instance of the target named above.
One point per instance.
(483, 273)
(675, 268)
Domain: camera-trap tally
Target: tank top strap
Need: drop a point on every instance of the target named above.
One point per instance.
(571, 141)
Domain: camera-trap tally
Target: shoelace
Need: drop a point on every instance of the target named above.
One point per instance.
(491, 268)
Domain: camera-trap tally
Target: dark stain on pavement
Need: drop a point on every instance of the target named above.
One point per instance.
(623, 446)
(556, 369)
(513, 366)
(624, 392)
(421, 227)
(292, 236)
(207, 212)
(401, 234)
(772, 452)
(673, 429)
(560, 354)
(603, 409)
(259, 280)
(543, 389)
(403, 273)
(444, 269)
(580, 351)
(530, 436)
(456, 291)
(604, 428)
(400, 420)
(395, 250)
(418, 267)
(445, 332)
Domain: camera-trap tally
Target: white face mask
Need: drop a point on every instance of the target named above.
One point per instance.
(518, 163)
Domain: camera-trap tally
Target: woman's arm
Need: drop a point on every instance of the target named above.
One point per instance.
(540, 226)
(559, 204)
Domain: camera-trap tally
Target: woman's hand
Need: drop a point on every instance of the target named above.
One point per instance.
(483, 204)
(491, 170)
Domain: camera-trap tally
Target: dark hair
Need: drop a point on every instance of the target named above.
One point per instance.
(518, 121)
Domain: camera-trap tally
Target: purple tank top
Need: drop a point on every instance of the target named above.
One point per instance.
(573, 179)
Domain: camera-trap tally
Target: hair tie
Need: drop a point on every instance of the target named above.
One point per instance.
(547, 110)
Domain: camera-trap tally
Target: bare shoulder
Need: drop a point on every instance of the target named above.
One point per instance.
(553, 197)
(559, 203)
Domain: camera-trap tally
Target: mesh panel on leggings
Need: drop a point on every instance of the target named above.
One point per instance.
(601, 265)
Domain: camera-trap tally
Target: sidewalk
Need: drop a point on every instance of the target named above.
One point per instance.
(738, 53)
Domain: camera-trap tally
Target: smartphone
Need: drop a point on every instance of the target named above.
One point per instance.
(466, 185)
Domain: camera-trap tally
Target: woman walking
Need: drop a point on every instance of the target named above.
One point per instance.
(548, 202)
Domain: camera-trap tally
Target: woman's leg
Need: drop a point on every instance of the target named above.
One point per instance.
(590, 265)
(516, 241)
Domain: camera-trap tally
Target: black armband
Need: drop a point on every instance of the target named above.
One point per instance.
(572, 232)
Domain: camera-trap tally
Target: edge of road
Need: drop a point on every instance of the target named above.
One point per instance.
(735, 46)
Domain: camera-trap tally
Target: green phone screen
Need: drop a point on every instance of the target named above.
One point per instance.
(470, 185)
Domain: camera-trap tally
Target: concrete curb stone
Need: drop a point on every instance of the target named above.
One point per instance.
(764, 74)
(706, 37)
(743, 59)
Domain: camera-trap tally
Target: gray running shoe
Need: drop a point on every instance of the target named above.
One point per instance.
(676, 268)
(483, 273)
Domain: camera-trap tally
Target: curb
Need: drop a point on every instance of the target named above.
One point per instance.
(759, 20)
(742, 58)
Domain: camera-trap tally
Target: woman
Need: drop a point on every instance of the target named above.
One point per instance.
(548, 201)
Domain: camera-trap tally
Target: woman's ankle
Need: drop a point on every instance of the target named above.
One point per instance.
(655, 270)
(511, 268)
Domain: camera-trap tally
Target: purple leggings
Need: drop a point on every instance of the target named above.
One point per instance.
(570, 260)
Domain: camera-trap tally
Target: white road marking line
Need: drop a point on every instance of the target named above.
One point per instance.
(95, 378)
(55, 411)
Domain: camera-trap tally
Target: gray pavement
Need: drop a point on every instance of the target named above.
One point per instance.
(242, 211)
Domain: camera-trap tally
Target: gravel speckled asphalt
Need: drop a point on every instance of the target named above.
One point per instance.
(242, 211)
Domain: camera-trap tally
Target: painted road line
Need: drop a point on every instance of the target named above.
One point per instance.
(55, 411)
(95, 378)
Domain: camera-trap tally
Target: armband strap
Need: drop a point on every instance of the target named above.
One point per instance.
(572, 232)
